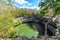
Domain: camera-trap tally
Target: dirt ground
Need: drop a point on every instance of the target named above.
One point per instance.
(23, 38)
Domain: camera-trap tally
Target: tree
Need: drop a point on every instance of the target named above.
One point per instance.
(48, 5)
(11, 1)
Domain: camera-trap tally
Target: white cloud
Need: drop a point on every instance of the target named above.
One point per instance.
(21, 1)
(32, 7)
(24, 6)
(30, 4)
(35, 7)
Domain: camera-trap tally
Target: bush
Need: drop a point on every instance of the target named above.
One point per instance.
(17, 22)
(58, 30)
(6, 25)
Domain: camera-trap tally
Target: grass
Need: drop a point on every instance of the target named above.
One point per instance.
(26, 31)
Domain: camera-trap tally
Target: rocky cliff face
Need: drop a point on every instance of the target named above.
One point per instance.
(57, 20)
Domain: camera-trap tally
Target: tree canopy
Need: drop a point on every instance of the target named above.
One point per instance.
(46, 5)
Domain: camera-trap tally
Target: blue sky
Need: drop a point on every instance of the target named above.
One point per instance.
(30, 4)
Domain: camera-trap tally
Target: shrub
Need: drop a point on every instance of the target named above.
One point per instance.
(6, 25)
(17, 22)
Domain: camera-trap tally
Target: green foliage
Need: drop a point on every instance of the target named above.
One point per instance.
(50, 4)
(26, 12)
(17, 22)
(6, 25)
(57, 32)
(58, 28)
(25, 31)
(1, 0)
(41, 13)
